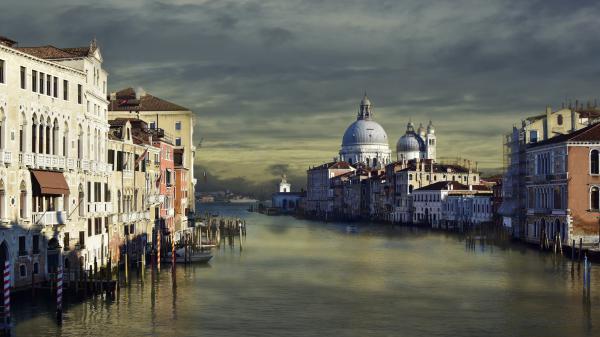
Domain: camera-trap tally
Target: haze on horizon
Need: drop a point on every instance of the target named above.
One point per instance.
(274, 83)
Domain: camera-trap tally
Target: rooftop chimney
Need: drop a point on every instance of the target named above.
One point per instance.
(139, 93)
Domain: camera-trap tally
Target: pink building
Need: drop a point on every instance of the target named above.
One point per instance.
(166, 180)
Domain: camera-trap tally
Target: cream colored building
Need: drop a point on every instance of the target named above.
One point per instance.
(53, 169)
(176, 121)
(135, 169)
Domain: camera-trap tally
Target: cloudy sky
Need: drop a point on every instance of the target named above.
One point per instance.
(274, 83)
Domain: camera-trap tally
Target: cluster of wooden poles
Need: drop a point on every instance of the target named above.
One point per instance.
(223, 231)
(107, 280)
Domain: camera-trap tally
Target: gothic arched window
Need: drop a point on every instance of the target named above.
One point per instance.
(594, 162)
(594, 198)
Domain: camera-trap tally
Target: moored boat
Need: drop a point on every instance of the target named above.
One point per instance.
(180, 257)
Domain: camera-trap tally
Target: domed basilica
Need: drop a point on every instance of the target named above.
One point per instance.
(365, 141)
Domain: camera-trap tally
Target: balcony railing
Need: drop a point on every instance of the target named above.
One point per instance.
(5, 157)
(49, 218)
(70, 164)
(26, 159)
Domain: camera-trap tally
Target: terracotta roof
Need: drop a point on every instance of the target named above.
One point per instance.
(588, 134)
(54, 53)
(126, 100)
(444, 185)
(333, 165)
(437, 168)
(453, 186)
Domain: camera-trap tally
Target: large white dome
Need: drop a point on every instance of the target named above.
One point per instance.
(363, 132)
(410, 142)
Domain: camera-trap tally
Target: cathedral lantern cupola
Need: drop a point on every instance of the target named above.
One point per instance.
(421, 130)
(364, 112)
(430, 128)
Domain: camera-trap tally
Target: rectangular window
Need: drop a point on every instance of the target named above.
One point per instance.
(89, 227)
(81, 239)
(34, 81)
(36, 244)
(119, 161)
(1, 71)
(65, 90)
(48, 85)
(22, 250)
(66, 241)
(41, 83)
(533, 136)
(55, 92)
(178, 141)
(111, 156)
(79, 94)
(152, 125)
(98, 226)
(23, 78)
(89, 191)
(178, 125)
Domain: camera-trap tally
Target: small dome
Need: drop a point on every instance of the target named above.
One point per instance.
(364, 132)
(410, 142)
(430, 128)
(421, 130)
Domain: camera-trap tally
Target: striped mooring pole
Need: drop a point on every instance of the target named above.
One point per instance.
(158, 237)
(6, 294)
(59, 293)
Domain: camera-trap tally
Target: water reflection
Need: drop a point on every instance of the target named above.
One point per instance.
(297, 278)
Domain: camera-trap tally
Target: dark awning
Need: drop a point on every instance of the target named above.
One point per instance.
(48, 183)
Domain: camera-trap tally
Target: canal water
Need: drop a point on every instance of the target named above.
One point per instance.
(302, 278)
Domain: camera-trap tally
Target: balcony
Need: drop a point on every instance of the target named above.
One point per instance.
(124, 217)
(26, 159)
(99, 207)
(71, 164)
(49, 218)
(84, 164)
(539, 211)
(5, 157)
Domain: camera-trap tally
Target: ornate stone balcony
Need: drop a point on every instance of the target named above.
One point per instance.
(5, 157)
(49, 218)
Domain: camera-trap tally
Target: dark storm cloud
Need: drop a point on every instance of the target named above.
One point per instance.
(276, 82)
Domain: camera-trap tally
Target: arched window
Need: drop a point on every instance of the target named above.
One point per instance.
(594, 198)
(410, 188)
(80, 202)
(557, 198)
(559, 120)
(594, 162)
(23, 201)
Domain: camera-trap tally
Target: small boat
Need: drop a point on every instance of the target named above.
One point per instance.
(197, 257)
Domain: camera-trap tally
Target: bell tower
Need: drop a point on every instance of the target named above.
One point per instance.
(431, 142)
(284, 186)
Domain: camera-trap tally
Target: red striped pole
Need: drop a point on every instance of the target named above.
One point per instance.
(6, 293)
(158, 237)
(59, 293)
